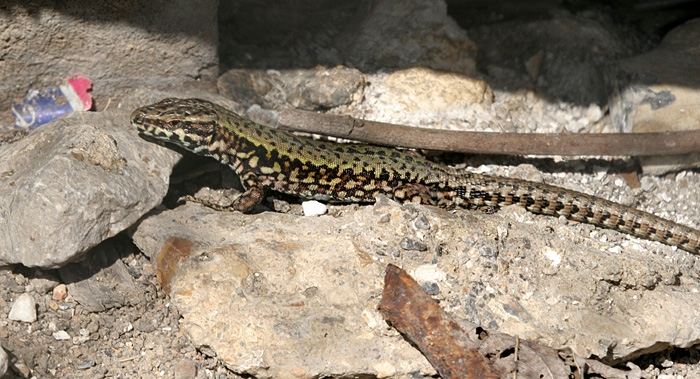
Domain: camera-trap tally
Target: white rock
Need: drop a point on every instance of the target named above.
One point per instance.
(594, 113)
(429, 273)
(23, 309)
(313, 208)
(615, 249)
(61, 335)
(553, 256)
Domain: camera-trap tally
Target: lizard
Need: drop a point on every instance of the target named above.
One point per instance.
(271, 159)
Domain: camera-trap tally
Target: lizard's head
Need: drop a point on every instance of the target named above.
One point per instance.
(189, 123)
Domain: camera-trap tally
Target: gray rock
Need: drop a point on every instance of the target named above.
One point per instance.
(86, 364)
(406, 33)
(102, 281)
(663, 95)
(75, 182)
(43, 285)
(23, 309)
(411, 244)
(185, 369)
(324, 88)
(4, 361)
(310, 89)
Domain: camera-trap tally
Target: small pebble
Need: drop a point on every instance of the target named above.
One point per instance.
(421, 223)
(594, 113)
(553, 256)
(23, 309)
(384, 369)
(489, 251)
(60, 292)
(42, 285)
(61, 335)
(313, 208)
(615, 249)
(85, 365)
(648, 184)
(185, 369)
(431, 288)
(428, 273)
(383, 219)
(281, 206)
(411, 244)
(22, 369)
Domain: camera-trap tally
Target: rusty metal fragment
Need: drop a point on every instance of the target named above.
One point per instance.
(169, 258)
(419, 318)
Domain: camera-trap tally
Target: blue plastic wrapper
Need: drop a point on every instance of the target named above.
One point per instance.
(40, 108)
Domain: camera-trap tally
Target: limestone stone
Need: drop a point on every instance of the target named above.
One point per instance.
(664, 94)
(420, 96)
(75, 182)
(275, 295)
(23, 309)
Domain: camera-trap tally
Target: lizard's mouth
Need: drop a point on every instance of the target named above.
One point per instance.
(190, 137)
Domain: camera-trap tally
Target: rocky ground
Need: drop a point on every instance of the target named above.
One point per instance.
(141, 340)
(109, 276)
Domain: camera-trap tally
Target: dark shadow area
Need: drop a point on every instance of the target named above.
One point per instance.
(472, 13)
(305, 33)
(97, 259)
(195, 172)
(579, 69)
(135, 12)
(680, 357)
(544, 164)
(84, 267)
(282, 34)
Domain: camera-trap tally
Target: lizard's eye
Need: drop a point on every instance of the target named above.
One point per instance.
(175, 124)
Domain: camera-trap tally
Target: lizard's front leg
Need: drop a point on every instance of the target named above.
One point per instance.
(413, 193)
(245, 203)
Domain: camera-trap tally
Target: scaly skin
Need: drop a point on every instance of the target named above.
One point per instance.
(267, 158)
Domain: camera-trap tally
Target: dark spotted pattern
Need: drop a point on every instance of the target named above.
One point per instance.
(267, 158)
